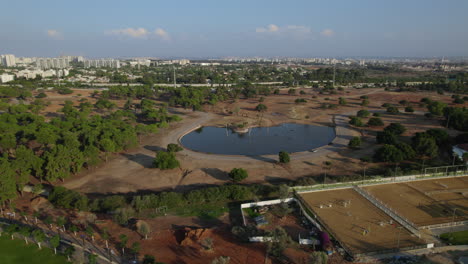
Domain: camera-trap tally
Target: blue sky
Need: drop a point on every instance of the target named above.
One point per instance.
(216, 28)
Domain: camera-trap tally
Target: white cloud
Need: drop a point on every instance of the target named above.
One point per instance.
(269, 28)
(296, 30)
(140, 33)
(327, 33)
(162, 34)
(54, 34)
(130, 32)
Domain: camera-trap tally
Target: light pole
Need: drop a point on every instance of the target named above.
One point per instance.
(453, 218)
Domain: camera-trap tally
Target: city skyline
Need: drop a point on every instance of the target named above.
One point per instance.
(243, 29)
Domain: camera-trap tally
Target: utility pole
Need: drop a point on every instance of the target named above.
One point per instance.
(175, 82)
(334, 74)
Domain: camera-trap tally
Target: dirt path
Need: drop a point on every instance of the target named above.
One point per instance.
(133, 171)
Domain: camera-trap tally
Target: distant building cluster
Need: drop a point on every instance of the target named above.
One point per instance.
(31, 74)
(8, 60)
(52, 63)
(102, 63)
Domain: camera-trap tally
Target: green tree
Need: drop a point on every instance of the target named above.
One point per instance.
(39, 236)
(149, 259)
(174, 147)
(363, 113)
(92, 258)
(123, 242)
(386, 137)
(355, 142)
(365, 102)
(389, 153)
(292, 91)
(409, 109)
(238, 174)
(425, 145)
(284, 157)
(318, 257)
(356, 121)
(375, 121)
(261, 108)
(342, 101)
(280, 240)
(395, 128)
(436, 108)
(7, 181)
(166, 160)
(393, 110)
(55, 242)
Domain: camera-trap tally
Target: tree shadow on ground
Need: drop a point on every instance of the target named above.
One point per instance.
(216, 173)
(154, 148)
(142, 159)
(262, 158)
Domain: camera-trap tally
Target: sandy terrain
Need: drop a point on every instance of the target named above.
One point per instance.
(349, 224)
(132, 171)
(426, 202)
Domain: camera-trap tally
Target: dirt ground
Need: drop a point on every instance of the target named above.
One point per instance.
(132, 171)
(426, 202)
(358, 226)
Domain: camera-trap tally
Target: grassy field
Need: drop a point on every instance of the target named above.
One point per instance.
(456, 238)
(17, 252)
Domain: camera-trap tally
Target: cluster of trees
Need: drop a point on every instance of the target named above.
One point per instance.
(455, 117)
(424, 145)
(129, 206)
(55, 149)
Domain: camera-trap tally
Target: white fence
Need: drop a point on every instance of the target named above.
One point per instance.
(389, 211)
(376, 181)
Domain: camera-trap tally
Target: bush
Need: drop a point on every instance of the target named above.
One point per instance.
(386, 105)
(376, 114)
(386, 138)
(166, 160)
(393, 110)
(375, 121)
(284, 157)
(356, 121)
(65, 91)
(409, 109)
(365, 102)
(174, 147)
(395, 128)
(292, 91)
(355, 142)
(261, 107)
(363, 113)
(41, 95)
(342, 101)
(302, 92)
(300, 100)
(238, 174)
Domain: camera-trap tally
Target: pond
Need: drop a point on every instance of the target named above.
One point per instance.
(258, 140)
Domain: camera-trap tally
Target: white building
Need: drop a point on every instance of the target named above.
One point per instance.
(52, 63)
(4, 78)
(108, 63)
(459, 150)
(8, 60)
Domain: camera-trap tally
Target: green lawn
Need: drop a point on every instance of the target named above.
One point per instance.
(456, 238)
(17, 252)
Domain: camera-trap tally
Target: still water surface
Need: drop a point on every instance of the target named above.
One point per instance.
(259, 140)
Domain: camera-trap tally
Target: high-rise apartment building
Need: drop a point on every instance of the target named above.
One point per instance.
(8, 60)
(100, 63)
